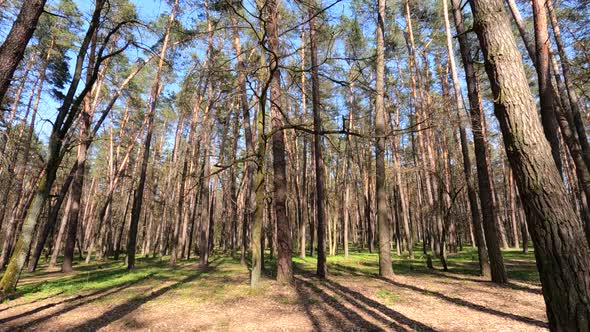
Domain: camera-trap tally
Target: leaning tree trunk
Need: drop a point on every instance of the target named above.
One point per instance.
(138, 197)
(560, 248)
(61, 126)
(13, 48)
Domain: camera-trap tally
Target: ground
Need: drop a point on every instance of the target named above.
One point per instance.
(104, 296)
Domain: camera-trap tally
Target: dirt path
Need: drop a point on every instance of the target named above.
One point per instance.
(219, 299)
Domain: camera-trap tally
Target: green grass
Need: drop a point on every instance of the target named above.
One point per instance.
(520, 266)
(99, 276)
(388, 296)
(215, 283)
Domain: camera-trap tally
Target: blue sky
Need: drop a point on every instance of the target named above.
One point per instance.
(148, 10)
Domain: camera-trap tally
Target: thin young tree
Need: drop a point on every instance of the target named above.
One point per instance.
(490, 234)
(150, 113)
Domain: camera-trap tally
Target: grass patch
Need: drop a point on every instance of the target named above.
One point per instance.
(229, 279)
(387, 296)
(521, 266)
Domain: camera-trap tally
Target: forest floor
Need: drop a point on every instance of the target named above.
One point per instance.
(104, 296)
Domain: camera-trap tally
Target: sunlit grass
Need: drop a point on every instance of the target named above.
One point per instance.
(520, 266)
(215, 283)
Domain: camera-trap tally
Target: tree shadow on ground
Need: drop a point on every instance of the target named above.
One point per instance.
(30, 302)
(467, 304)
(374, 308)
(343, 270)
(348, 320)
(133, 304)
(82, 300)
(510, 285)
(86, 299)
(354, 315)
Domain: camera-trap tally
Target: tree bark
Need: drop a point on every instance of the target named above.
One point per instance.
(321, 269)
(13, 48)
(497, 269)
(484, 267)
(284, 264)
(385, 264)
(560, 248)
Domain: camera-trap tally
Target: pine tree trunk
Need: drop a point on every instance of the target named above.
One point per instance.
(484, 266)
(284, 264)
(13, 48)
(347, 171)
(497, 270)
(138, 196)
(385, 263)
(560, 248)
(76, 198)
(256, 242)
(303, 192)
(321, 269)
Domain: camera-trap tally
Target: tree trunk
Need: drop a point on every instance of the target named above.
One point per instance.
(303, 192)
(284, 264)
(256, 242)
(138, 197)
(61, 126)
(385, 264)
(13, 48)
(497, 269)
(484, 266)
(322, 269)
(76, 198)
(560, 248)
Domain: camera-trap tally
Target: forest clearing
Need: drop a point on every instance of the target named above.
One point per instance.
(157, 297)
(294, 165)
